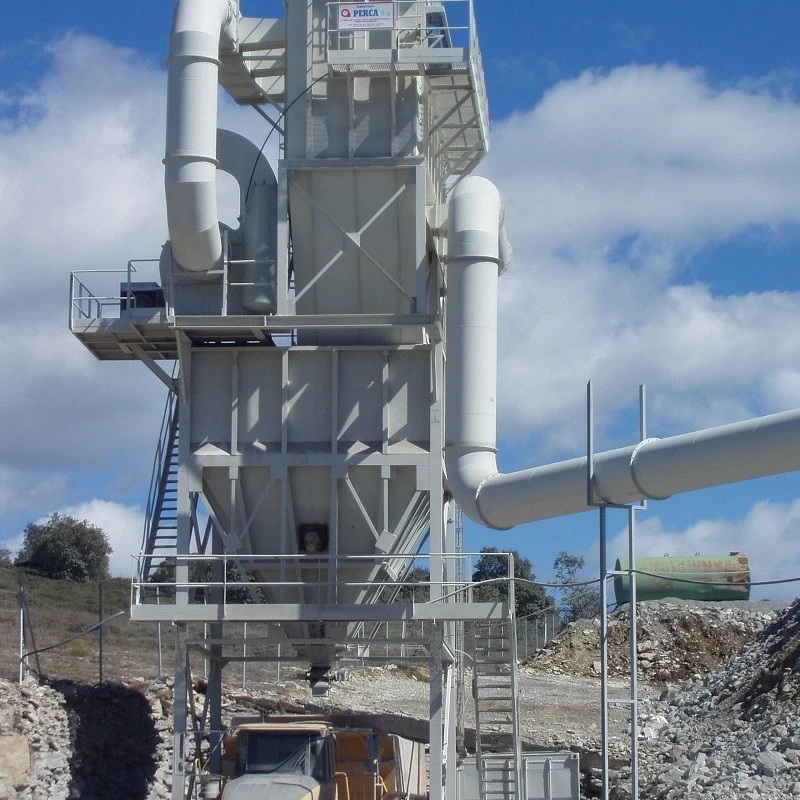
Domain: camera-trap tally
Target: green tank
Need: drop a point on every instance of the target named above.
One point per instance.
(722, 578)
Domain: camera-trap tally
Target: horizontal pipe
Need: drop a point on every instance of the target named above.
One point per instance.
(653, 469)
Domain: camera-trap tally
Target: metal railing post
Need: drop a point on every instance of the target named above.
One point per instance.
(160, 653)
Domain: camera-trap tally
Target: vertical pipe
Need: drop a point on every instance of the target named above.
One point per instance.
(100, 628)
(603, 652)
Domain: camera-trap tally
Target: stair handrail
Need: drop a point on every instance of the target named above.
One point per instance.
(162, 451)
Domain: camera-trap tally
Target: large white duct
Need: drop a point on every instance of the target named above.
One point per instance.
(198, 27)
(258, 198)
(653, 469)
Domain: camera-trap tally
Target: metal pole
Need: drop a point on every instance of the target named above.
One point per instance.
(634, 662)
(160, 649)
(23, 661)
(244, 657)
(100, 626)
(278, 671)
(205, 659)
(635, 611)
(603, 652)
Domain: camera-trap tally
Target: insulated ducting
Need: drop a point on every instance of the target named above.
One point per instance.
(198, 28)
(653, 469)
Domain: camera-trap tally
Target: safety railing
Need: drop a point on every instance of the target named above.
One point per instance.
(130, 294)
(115, 294)
(236, 579)
(400, 31)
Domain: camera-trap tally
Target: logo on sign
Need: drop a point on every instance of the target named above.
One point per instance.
(366, 16)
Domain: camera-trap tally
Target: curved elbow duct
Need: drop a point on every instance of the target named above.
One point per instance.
(653, 469)
(198, 26)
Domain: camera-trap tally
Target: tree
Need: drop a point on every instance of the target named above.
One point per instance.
(65, 548)
(577, 602)
(530, 598)
(200, 572)
(415, 588)
(5, 557)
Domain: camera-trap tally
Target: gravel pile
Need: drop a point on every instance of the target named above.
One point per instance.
(676, 642)
(734, 734)
(67, 740)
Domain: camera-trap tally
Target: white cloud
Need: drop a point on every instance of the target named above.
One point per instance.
(122, 525)
(82, 182)
(81, 186)
(21, 491)
(648, 150)
(612, 183)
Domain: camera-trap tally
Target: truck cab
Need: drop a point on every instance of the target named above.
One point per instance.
(290, 758)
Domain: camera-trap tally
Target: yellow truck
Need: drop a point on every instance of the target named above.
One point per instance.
(314, 758)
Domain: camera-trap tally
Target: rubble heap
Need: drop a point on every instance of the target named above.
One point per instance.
(675, 642)
(68, 740)
(734, 734)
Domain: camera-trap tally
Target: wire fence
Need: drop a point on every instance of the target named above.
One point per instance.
(83, 632)
(534, 632)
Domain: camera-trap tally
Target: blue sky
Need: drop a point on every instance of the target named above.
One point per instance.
(648, 157)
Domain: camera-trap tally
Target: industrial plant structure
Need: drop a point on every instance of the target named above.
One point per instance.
(336, 382)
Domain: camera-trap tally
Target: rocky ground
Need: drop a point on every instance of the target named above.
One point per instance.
(717, 731)
(68, 740)
(735, 733)
(676, 642)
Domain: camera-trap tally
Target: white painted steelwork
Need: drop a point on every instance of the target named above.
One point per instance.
(310, 341)
(653, 469)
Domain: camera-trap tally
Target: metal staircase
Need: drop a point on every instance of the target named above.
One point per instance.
(494, 688)
(161, 519)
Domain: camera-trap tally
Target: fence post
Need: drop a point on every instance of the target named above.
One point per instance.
(100, 627)
(23, 660)
(526, 639)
